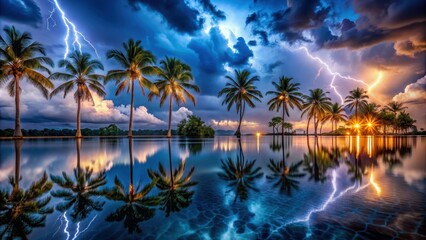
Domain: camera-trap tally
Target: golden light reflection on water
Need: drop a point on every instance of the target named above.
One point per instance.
(225, 145)
(374, 183)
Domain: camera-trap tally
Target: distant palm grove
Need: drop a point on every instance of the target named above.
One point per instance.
(21, 58)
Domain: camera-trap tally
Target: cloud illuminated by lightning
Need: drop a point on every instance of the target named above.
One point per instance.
(333, 73)
(71, 28)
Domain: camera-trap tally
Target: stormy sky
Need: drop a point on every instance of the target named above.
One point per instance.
(377, 45)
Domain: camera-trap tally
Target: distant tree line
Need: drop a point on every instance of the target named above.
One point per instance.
(111, 130)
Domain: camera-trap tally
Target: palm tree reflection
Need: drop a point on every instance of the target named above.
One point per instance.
(285, 176)
(137, 206)
(240, 174)
(175, 193)
(318, 161)
(22, 210)
(79, 194)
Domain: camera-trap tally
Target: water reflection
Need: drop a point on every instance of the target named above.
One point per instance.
(175, 191)
(81, 193)
(317, 161)
(136, 206)
(22, 210)
(285, 177)
(240, 175)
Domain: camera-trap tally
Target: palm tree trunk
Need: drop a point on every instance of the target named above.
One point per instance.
(315, 125)
(130, 134)
(171, 166)
(282, 124)
(322, 124)
(131, 187)
(238, 132)
(356, 112)
(78, 134)
(18, 132)
(78, 146)
(169, 133)
(18, 145)
(307, 126)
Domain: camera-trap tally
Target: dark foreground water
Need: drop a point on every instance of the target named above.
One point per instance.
(259, 188)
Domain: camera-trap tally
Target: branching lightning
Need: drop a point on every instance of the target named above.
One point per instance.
(77, 232)
(71, 28)
(333, 73)
(329, 200)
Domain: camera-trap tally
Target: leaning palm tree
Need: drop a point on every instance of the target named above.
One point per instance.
(137, 205)
(79, 193)
(21, 58)
(80, 74)
(175, 190)
(336, 115)
(137, 63)
(240, 91)
(285, 95)
(357, 98)
(22, 210)
(316, 104)
(175, 80)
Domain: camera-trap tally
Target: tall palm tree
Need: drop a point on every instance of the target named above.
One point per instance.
(175, 80)
(336, 115)
(370, 110)
(79, 193)
(137, 63)
(137, 205)
(357, 98)
(240, 91)
(21, 58)
(316, 104)
(395, 107)
(285, 95)
(22, 210)
(80, 74)
(175, 190)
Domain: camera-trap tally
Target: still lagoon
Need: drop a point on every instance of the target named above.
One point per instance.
(262, 187)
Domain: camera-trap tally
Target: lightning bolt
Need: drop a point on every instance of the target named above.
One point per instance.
(378, 80)
(57, 230)
(77, 233)
(66, 225)
(318, 74)
(333, 73)
(329, 200)
(71, 28)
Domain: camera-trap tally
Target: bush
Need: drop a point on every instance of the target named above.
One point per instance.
(193, 126)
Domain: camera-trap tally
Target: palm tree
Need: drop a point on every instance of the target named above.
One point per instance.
(137, 63)
(22, 210)
(274, 123)
(286, 94)
(370, 110)
(240, 91)
(79, 193)
(357, 98)
(20, 58)
(175, 191)
(395, 107)
(316, 104)
(175, 80)
(336, 115)
(81, 74)
(137, 206)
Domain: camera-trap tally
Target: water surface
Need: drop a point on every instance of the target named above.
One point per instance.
(257, 188)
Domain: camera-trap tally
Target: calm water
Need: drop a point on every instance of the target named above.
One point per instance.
(259, 188)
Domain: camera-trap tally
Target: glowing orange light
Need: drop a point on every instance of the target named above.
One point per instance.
(375, 185)
(357, 125)
(258, 134)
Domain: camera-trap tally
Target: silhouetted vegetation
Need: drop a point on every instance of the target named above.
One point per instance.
(193, 126)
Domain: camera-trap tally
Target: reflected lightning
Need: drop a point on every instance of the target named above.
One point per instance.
(66, 226)
(71, 30)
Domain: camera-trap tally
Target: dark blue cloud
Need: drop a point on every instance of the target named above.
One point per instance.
(177, 14)
(216, 13)
(24, 11)
(252, 43)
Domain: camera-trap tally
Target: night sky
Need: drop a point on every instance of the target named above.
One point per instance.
(381, 43)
